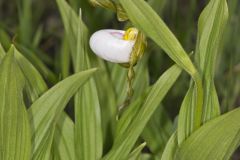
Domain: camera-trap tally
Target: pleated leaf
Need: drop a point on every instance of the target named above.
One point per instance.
(15, 135)
(217, 139)
(171, 148)
(144, 17)
(45, 111)
(35, 85)
(186, 117)
(63, 141)
(211, 26)
(70, 21)
(88, 131)
(128, 136)
(158, 131)
(37, 62)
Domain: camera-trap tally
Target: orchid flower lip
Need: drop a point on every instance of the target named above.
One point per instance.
(110, 45)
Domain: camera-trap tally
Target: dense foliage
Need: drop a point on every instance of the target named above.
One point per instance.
(60, 101)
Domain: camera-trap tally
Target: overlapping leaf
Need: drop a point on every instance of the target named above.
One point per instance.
(46, 110)
(35, 84)
(210, 30)
(119, 80)
(135, 123)
(36, 61)
(171, 148)
(15, 135)
(154, 27)
(144, 18)
(211, 26)
(136, 153)
(63, 141)
(88, 131)
(217, 139)
(158, 131)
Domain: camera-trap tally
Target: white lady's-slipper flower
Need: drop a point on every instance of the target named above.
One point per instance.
(114, 45)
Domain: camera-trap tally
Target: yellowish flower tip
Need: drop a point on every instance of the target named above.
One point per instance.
(130, 34)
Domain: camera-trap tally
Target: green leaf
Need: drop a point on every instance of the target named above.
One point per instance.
(128, 116)
(136, 153)
(171, 148)
(45, 111)
(88, 131)
(37, 36)
(158, 131)
(107, 100)
(217, 139)
(63, 141)
(25, 19)
(2, 52)
(70, 21)
(119, 80)
(34, 59)
(4, 38)
(144, 18)
(158, 6)
(186, 117)
(146, 156)
(35, 85)
(210, 31)
(15, 142)
(88, 134)
(189, 113)
(126, 140)
(65, 58)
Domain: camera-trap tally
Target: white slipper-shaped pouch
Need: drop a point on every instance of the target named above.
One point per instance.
(110, 45)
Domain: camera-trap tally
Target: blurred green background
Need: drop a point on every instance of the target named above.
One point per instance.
(36, 28)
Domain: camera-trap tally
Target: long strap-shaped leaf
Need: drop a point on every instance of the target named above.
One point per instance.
(210, 30)
(144, 17)
(133, 128)
(78, 49)
(88, 130)
(211, 26)
(15, 141)
(35, 86)
(46, 110)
